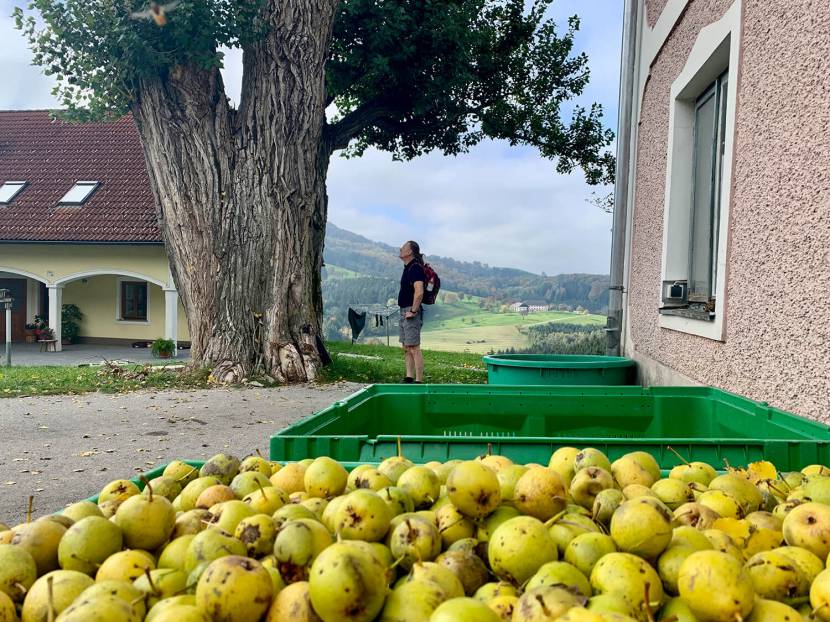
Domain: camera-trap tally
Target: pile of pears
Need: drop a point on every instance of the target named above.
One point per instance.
(580, 539)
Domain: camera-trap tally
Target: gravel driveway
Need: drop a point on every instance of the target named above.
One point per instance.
(66, 448)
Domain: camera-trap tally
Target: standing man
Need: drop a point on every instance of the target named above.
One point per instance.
(410, 297)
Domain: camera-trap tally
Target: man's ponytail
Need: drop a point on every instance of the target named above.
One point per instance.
(416, 252)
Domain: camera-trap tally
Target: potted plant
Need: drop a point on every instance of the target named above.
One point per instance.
(45, 334)
(70, 329)
(37, 326)
(163, 348)
(30, 333)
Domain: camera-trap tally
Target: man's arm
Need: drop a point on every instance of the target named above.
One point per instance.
(419, 296)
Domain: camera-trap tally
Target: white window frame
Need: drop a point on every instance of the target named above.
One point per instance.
(91, 187)
(118, 318)
(716, 49)
(21, 187)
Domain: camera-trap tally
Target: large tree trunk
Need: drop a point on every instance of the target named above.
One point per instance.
(242, 196)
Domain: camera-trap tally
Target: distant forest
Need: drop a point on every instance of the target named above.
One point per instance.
(558, 338)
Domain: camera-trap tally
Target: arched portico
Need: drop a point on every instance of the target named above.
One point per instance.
(27, 290)
(100, 280)
(130, 302)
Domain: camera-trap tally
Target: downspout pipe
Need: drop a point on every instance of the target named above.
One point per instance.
(625, 122)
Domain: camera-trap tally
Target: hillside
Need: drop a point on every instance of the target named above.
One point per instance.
(471, 314)
(355, 253)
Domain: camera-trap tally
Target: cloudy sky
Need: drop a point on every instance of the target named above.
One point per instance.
(500, 205)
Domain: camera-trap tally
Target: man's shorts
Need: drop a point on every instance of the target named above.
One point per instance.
(411, 328)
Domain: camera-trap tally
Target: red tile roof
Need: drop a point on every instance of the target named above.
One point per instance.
(52, 156)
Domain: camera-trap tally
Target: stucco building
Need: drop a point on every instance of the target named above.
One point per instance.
(727, 199)
(78, 226)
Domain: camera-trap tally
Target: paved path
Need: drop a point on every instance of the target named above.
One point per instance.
(29, 354)
(66, 448)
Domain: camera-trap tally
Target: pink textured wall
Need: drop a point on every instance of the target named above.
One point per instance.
(778, 317)
(653, 10)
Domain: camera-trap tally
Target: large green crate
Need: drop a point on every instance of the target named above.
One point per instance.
(560, 369)
(526, 424)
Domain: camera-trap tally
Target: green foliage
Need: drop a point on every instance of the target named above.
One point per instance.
(99, 54)
(162, 347)
(442, 75)
(70, 317)
(407, 76)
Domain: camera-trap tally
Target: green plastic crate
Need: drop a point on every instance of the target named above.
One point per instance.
(526, 424)
(560, 369)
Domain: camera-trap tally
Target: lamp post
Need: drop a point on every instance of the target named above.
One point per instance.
(6, 302)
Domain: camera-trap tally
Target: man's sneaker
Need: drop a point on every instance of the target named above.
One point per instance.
(408, 380)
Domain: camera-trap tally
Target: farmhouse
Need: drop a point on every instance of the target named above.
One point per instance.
(530, 306)
(78, 226)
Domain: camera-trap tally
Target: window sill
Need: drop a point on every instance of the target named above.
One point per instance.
(708, 328)
(135, 322)
(691, 314)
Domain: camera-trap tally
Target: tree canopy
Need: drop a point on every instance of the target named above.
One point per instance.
(405, 76)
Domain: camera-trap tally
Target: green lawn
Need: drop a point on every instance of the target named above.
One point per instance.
(478, 339)
(464, 327)
(385, 364)
(365, 364)
(439, 319)
(336, 272)
(54, 380)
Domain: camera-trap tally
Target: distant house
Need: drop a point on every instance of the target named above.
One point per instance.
(78, 225)
(725, 195)
(530, 306)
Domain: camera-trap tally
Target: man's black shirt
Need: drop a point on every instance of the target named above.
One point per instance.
(412, 273)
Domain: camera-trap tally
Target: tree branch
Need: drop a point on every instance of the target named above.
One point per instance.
(351, 125)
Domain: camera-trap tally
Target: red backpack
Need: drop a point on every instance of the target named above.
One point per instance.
(431, 285)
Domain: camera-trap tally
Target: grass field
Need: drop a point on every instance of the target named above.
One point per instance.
(464, 327)
(360, 363)
(55, 380)
(355, 363)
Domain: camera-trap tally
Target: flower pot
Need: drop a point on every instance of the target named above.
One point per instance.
(165, 355)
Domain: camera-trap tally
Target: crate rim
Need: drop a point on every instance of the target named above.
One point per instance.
(558, 361)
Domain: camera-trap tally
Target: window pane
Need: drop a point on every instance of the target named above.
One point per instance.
(700, 283)
(724, 82)
(133, 301)
(79, 192)
(9, 189)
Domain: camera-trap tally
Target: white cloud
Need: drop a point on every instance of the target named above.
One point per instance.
(24, 86)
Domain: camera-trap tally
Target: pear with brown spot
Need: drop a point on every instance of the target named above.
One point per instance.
(235, 589)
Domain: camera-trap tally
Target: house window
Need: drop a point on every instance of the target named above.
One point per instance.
(79, 193)
(133, 300)
(701, 135)
(9, 190)
(709, 141)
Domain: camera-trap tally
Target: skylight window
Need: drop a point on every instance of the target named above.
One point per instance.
(79, 193)
(9, 190)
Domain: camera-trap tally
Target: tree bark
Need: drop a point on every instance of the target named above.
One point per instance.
(241, 196)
